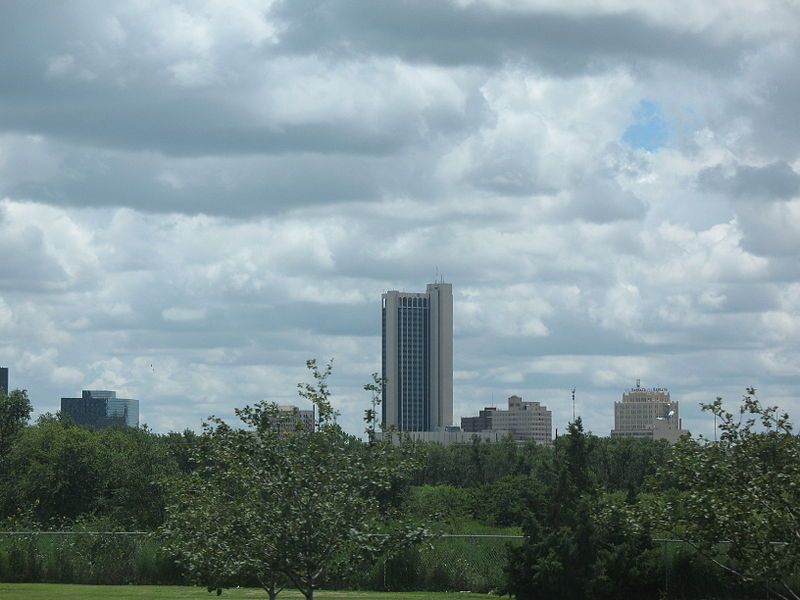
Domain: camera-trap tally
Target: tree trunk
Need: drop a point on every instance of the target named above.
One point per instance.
(272, 590)
(309, 591)
(271, 587)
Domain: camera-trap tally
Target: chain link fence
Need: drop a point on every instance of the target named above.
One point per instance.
(447, 562)
(94, 557)
(444, 563)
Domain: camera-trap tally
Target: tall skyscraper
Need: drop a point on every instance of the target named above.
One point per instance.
(417, 358)
(101, 408)
(4, 379)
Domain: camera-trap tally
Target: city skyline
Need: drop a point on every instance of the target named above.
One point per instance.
(194, 200)
(88, 411)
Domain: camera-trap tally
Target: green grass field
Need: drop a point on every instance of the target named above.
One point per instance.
(46, 591)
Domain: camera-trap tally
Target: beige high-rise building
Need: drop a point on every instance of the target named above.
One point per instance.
(648, 413)
(417, 358)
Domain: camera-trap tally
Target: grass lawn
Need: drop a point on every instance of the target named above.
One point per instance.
(48, 591)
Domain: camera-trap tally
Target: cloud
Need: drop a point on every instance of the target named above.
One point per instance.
(183, 314)
(770, 95)
(774, 181)
(771, 231)
(767, 201)
(603, 200)
(451, 33)
(38, 259)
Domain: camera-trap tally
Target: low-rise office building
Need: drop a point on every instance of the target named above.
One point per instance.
(524, 421)
(99, 409)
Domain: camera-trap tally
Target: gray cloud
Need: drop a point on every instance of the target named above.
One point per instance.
(148, 182)
(773, 97)
(603, 200)
(153, 117)
(775, 181)
(477, 34)
(36, 271)
(107, 76)
(764, 198)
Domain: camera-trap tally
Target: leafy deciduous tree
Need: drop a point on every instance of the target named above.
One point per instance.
(15, 410)
(291, 503)
(739, 499)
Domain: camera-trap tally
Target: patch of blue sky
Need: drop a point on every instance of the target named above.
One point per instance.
(649, 130)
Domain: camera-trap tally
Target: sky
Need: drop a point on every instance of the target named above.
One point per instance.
(197, 197)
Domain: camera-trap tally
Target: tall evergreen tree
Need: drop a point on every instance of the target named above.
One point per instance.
(579, 543)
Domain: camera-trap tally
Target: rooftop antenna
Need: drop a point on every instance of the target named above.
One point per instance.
(573, 405)
(638, 383)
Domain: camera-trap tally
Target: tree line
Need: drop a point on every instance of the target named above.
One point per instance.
(249, 501)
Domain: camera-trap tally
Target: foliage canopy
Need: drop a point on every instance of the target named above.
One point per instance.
(738, 499)
(286, 505)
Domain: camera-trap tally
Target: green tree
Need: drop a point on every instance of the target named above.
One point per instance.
(503, 503)
(15, 410)
(738, 500)
(63, 472)
(296, 504)
(179, 447)
(58, 473)
(446, 505)
(579, 543)
(625, 463)
(134, 463)
(221, 517)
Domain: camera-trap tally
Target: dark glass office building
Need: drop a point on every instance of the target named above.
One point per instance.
(99, 409)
